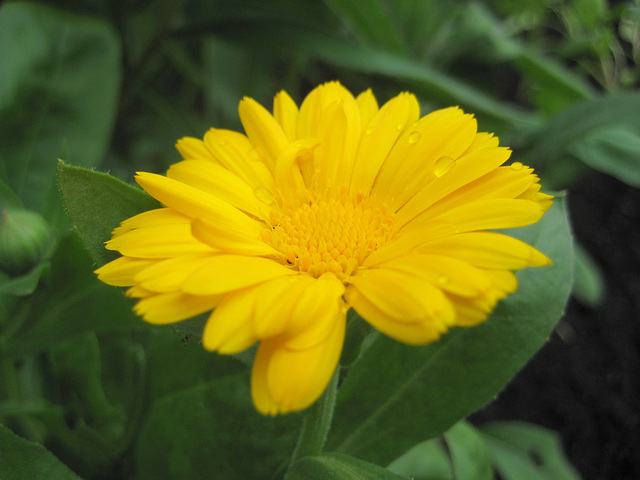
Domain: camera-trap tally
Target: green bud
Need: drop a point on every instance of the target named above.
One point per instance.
(25, 240)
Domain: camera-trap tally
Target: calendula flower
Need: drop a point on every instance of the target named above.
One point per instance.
(335, 205)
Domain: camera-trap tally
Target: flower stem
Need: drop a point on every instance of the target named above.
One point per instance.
(317, 423)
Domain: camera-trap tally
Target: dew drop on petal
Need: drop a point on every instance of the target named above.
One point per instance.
(369, 130)
(414, 137)
(516, 166)
(400, 126)
(443, 166)
(443, 279)
(264, 195)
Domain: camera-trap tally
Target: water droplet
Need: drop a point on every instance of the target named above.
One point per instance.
(443, 166)
(400, 126)
(369, 130)
(414, 137)
(516, 166)
(443, 279)
(264, 195)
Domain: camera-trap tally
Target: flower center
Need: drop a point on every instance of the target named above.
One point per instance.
(332, 235)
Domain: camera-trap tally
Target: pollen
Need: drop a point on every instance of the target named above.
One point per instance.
(329, 235)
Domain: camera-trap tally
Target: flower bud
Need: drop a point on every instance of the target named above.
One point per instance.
(25, 239)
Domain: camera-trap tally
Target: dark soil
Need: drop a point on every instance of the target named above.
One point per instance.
(585, 382)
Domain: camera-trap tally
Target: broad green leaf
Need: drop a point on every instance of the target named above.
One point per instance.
(522, 451)
(58, 95)
(551, 144)
(426, 461)
(96, 203)
(336, 466)
(589, 286)
(69, 302)
(21, 459)
(469, 454)
(397, 395)
(369, 21)
(213, 431)
(613, 150)
(24, 284)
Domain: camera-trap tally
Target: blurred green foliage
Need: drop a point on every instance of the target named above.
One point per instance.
(112, 84)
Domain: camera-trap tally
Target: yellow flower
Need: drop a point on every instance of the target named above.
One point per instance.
(334, 205)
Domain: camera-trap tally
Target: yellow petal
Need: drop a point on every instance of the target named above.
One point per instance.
(368, 106)
(235, 152)
(318, 306)
(466, 169)
(314, 105)
(443, 134)
(450, 274)
(275, 302)
(173, 307)
(216, 180)
(228, 238)
(402, 297)
(487, 250)
(380, 135)
(225, 273)
(151, 218)
(262, 129)
(228, 330)
(414, 333)
(294, 159)
(169, 275)
(192, 148)
(285, 111)
(285, 380)
(121, 271)
(194, 202)
(338, 134)
(485, 215)
(160, 241)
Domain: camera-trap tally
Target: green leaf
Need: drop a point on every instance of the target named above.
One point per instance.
(426, 461)
(70, 302)
(551, 144)
(58, 94)
(369, 21)
(336, 466)
(469, 454)
(613, 150)
(96, 203)
(397, 395)
(21, 459)
(24, 284)
(526, 452)
(212, 429)
(589, 287)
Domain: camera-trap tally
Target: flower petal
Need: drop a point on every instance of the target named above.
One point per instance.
(381, 134)
(173, 307)
(228, 330)
(168, 275)
(286, 380)
(194, 202)
(285, 111)
(368, 106)
(228, 238)
(224, 273)
(263, 130)
(121, 271)
(410, 165)
(216, 180)
(414, 333)
(402, 297)
(487, 250)
(151, 218)
(235, 152)
(160, 241)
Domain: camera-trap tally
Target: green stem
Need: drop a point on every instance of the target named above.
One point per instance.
(317, 423)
